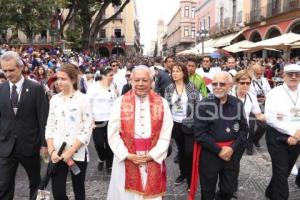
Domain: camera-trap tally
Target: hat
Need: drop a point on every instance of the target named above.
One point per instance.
(292, 68)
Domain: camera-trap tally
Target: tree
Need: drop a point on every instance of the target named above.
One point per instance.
(28, 16)
(91, 14)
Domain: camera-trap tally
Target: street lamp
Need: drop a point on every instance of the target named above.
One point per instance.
(203, 33)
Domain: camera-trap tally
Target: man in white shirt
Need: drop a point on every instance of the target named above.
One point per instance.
(119, 76)
(282, 111)
(259, 87)
(207, 72)
(139, 132)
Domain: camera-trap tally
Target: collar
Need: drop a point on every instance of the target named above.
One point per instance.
(229, 100)
(73, 95)
(284, 85)
(206, 69)
(18, 84)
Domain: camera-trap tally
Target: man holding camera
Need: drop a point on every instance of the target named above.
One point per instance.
(282, 112)
(260, 88)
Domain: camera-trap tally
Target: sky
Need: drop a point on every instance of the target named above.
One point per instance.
(149, 12)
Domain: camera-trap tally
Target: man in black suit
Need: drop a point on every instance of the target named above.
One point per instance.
(23, 116)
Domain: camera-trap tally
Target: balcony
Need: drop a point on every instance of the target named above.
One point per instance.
(112, 40)
(271, 10)
(228, 25)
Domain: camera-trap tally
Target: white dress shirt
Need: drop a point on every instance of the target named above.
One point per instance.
(280, 101)
(19, 86)
(257, 86)
(69, 120)
(102, 100)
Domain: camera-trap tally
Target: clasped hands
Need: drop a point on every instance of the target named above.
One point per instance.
(66, 156)
(226, 153)
(293, 140)
(139, 159)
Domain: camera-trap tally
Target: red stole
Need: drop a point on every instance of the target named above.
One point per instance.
(156, 176)
(196, 167)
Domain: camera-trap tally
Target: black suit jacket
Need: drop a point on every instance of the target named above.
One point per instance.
(24, 130)
(162, 82)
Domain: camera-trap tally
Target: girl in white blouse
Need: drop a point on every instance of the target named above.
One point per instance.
(102, 95)
(70, 120)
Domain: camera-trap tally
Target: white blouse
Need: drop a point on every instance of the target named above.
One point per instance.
(69, 120)
(102, 101)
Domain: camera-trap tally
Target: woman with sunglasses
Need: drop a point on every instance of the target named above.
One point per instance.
(182, 97)
(102, 94)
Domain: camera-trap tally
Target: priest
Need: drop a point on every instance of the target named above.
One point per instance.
(139, 132)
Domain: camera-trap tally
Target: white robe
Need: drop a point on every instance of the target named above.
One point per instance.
(116, 189)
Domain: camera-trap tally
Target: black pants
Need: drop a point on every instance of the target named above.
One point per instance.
(283, 159)
(60, 179)
(8, 169)
(101, 143)
(185, 147)
(255, 135)
(211, 168)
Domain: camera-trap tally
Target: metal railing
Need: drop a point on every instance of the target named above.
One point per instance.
(111, 39)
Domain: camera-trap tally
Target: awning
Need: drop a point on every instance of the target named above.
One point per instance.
(187, 52)
(282, 42)
(238, 47)
(226, 40)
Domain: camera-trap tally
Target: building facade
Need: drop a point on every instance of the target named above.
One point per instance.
(266, 19)
(122, 35)
(161, 31)
(181, 29)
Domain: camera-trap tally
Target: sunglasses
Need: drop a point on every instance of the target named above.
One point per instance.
(292, 74)
(220, 84)
(244, 83)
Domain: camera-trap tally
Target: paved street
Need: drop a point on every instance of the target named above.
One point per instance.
(254, 176)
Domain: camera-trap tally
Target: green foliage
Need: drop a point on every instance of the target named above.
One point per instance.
(29, 16)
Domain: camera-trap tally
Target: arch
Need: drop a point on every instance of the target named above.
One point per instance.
(273, 31)
(294, 27)
(104, 52)
(255, 36)
(118, 51)
(240, 38)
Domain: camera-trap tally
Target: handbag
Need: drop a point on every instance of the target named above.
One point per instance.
(187, 125)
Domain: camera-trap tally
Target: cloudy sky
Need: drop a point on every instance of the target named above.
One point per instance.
(149, 12)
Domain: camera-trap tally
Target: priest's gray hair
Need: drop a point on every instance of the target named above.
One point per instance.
(11, 55)
(142, 68)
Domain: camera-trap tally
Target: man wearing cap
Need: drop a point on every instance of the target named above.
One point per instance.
(282, 111)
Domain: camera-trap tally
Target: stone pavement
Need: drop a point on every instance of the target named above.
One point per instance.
(254, 176)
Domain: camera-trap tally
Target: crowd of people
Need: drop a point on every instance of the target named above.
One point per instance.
(132, 107)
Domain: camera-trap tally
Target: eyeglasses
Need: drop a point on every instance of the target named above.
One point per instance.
(115, 65)
(292, 74)
(220, 84)
(244, 83)
(206, 61)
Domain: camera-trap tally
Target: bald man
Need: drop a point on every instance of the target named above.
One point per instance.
(139, 132)
(259, 87)
(220, 130)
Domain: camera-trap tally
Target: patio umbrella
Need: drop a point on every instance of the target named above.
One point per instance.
(49, 172)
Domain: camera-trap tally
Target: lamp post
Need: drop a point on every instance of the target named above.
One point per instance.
(203, 34)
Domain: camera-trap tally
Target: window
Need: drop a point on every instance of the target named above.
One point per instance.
(103, 33)
(118, 33)
(221, 16)
(186, 11)
(186, 31)
(204, 23)
(193, 32)
(116, 8)
(255, 4)
(233, 11)
(193, 12)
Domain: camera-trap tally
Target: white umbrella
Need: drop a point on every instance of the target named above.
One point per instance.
(238, 47)
(187, 52)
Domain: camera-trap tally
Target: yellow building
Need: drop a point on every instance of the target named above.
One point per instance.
(122, 35)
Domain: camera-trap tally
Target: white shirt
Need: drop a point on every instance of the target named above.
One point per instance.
(279, 102)
(250, 104)
(208, 76)
(70, 120)
(179, 108)
(256, 84)
(120, 80)
(102, 100)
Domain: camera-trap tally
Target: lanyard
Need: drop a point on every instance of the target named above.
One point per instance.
(294, 102)
(240, 99)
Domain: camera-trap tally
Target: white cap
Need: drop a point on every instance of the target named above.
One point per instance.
(292, 68)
